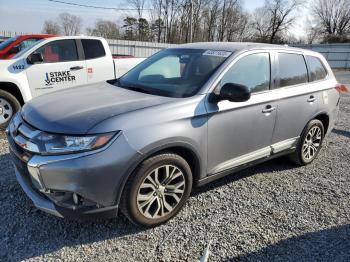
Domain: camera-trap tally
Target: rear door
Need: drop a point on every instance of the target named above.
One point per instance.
(63, 67)
(99, 63)
(296, 103)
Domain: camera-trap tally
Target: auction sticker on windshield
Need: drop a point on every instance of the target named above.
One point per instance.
(217, 53)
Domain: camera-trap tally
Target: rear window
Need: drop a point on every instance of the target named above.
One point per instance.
(93, 48)
(292, 69)
(317, 70)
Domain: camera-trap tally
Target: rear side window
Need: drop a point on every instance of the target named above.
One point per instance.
(59, 51)
(93, 48)
(317, 70)
(292, 69)
(252, 71)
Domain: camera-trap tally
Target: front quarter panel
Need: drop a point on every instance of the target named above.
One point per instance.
(182, 122)
(14, 71)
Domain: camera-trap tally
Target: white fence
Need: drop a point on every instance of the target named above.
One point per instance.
(135, 48)
(337, 55)
(121, 47)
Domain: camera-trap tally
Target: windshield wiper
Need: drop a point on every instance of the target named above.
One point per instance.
(137, 89)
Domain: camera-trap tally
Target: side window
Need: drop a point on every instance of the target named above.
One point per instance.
(59, 51)
(93, 48)
(292, 69)
(252, 71)
(317, 70)
(27, 43)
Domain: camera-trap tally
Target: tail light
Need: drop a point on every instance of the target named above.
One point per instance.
(341, 88)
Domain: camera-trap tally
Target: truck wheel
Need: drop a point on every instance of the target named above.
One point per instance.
(157, 190)
(309, 144)
(9, 105)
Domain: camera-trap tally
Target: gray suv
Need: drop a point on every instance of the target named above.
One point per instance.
(182, 118)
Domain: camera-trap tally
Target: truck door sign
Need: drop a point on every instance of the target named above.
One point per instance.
(18, 67)
(58, 77)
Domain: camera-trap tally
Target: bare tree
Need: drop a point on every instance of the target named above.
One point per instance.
(157, 19)
(139, 5)
(70, 24)
(333, 17)
(212, 20)
(312, 32)
(104, 28)
(274, 18)
(51, 27)
(210, 16)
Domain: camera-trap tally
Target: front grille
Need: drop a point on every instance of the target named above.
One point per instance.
(22, 134)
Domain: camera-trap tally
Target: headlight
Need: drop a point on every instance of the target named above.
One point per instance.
(60, 144)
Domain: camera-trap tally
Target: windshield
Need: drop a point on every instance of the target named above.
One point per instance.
(27, 48)
(174, 72)
(7, 42)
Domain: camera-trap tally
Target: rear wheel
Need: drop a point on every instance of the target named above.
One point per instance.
(9, 105)
(310, 143)
(157, 190)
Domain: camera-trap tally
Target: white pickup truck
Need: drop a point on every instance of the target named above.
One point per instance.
(54, 64)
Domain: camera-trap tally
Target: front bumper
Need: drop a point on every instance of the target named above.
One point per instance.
(95, 177)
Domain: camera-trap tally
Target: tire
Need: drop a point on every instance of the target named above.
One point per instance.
(9, 106)
(133, 201)
(308, 144)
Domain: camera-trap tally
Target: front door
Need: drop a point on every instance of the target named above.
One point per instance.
(240, 132)
(62, 68)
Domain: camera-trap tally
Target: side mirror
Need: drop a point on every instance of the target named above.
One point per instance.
(35, 58)
(234, 92)
(13, 50)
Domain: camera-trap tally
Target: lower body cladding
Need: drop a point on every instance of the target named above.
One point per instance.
(77, 185)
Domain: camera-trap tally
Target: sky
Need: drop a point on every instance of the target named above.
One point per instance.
(28, 16)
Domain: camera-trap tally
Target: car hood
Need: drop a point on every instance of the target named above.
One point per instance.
(76, 110)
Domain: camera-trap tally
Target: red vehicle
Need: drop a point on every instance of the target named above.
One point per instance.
(14, 45)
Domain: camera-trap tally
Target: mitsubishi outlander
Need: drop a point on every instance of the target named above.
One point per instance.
(181, 118)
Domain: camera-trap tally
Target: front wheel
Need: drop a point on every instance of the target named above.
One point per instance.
(9, 105)
(157, 190)
(309, 144)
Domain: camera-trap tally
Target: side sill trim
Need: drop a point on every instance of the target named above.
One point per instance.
(284, 145)
(230, 171)
(266, 152)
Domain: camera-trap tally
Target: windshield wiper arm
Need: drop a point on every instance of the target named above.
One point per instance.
(138, 89)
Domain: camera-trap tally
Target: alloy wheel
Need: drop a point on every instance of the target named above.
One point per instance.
(312, 143)
(161, 191)
(6, 111)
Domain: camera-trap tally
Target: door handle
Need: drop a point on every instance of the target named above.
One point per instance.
(268, 109)
(76, 68)
(311, 99)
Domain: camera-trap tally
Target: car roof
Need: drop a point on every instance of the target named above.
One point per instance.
(35, 35)
(75, 37)
(236, 46)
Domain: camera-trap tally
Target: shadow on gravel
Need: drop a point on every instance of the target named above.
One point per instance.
(27, 232)
(273, 165)
(322, 245)
(341, 132)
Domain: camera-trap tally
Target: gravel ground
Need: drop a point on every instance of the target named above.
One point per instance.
(274, 211)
